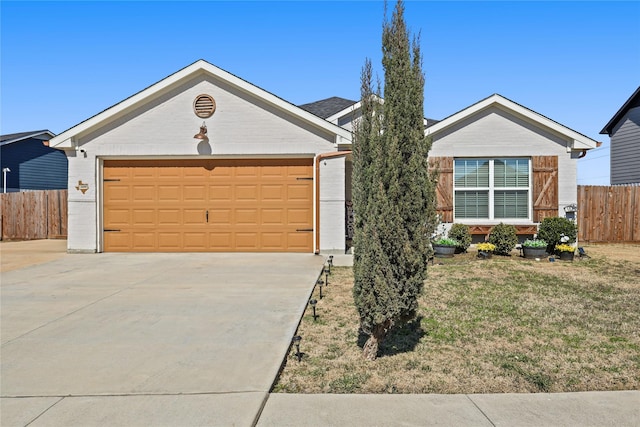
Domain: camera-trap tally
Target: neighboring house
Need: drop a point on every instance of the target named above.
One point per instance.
(266, 175)
(32, 165)
(624, 131)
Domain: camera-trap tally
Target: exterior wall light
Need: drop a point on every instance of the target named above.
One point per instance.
(203, 132)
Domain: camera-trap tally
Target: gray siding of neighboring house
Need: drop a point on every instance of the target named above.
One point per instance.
(625, 149)
(34, 166)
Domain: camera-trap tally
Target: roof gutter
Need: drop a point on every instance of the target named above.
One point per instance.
(316, 162)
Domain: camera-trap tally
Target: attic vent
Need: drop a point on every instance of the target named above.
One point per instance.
(204, 106)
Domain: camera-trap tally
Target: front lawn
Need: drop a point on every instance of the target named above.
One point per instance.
(485, 326)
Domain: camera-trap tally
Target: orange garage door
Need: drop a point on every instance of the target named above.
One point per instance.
(243, 205)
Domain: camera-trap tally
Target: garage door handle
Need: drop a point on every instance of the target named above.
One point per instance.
(207, 215)
(110, 230)
(304, 229)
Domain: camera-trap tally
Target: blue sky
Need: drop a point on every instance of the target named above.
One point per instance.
(574, 62)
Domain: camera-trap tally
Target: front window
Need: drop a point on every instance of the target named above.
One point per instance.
(492, 189)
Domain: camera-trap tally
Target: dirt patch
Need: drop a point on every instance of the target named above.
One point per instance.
(20, 254)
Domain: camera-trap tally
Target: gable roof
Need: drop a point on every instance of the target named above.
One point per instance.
(67, 138)
(579, 141)
(632, 102)
(15, 137)
(327, 107)
(332, 109)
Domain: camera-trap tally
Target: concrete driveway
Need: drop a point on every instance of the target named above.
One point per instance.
(148, 339)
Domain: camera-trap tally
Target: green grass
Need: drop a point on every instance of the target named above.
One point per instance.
(500, 325)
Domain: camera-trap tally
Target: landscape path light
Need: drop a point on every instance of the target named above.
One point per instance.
(320, 283)
(330, 262)
(326, 276)
(313, 303)
(296, 342)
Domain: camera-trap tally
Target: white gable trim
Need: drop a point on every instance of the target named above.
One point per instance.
(578, 141)
(66, 140)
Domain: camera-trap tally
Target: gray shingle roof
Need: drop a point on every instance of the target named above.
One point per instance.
(327, 107)
(14, 137)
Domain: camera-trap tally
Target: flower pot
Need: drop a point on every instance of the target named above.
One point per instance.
(567, 256)
(444, 251)
(533, 253)
(485, 254)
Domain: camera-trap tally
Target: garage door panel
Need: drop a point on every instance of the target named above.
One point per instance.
(220, 217)
(221, 241)
(246, 217)
(118, 192)
(168, 193)
(208, 205)
(195, 241)
(143, 217)
(299, 192)
(120, 242)
(299, 217)
(247, 192)
(273, 241)
(273, 193)
(170, 241)
(194, 193)
(247, 241)
(143, 193)
(299, 241)
(274, 216)
(194, 216)
(169, 217)
(144, 241)
(117, 217)
(221, 193)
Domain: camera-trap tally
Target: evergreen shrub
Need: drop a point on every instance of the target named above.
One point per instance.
(553, 228)
(460, 233)
(504, 237)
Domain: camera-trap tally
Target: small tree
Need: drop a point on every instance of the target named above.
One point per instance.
(394, 196)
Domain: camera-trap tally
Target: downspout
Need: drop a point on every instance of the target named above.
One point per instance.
(316, 160)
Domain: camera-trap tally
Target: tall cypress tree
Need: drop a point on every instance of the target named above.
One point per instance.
(393, 192)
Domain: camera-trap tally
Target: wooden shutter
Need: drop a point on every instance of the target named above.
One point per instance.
(444, 189)
(545, 187)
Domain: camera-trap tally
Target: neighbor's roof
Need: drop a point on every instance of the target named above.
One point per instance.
(578, 140)
(66, 138)
(15, 137)
(327, 107)
(632, 102)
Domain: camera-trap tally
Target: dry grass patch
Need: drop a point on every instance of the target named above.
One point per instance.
(496, 326)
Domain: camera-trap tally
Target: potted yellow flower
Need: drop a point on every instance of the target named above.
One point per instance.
(566, 252)
(485, 250)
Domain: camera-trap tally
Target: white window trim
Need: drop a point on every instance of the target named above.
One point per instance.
(492, 188)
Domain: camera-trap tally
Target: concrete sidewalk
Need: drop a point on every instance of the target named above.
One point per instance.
(599, 409)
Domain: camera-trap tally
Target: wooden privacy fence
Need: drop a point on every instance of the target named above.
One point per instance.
(609, 214)
(34, 215)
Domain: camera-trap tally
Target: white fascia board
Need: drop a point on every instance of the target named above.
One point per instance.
(579, 142)
(67, 138)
